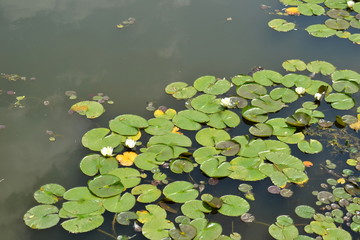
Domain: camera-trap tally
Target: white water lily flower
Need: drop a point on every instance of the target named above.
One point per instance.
(107, 151)
(350, 4)
(130, 143)
(300, 90)
(318, 96)
(226, 102)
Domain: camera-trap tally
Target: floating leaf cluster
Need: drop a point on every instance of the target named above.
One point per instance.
(343, 18)
(135, 160)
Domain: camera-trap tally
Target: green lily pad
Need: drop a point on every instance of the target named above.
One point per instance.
(320, 30)
(186, 232)
(340, 101)
(286, 95)
(124, 218)
(206, 103)
(254, 114)
(355, 38)
(280, 127)
(337, 24)
(157, 229)
(147, 161)
(283, 160)
(42, 217)
(294, 65)
(180, 191)
(240, 79)
(313, 146)
(215, 168)
(283, 229)
(211, 136)
(267, 103)
(98, 138)
(292, 139)
(83, 224)
(345, 75)
(310, 9)
(119, 203)
(346, 86)
(336, 4)
(127, 124)
(267, 77)
(228, 148)
(195, 209)
(246, 169)
(261, 130)
(233, 206)
(106, 185)
(159, 126)
(281, 25)
(91, 109)
(204, 153)
(314, 114)
(205, 229)
(49, 193)
(224, 119)
(322, 67)
(305, 211)
(170, 139)
(129, 177)
(299, 119)
(336, 13)
(253, 148)
(147, 193)
(179, 166)
(318, 87)
(180, 90)
(251, 90)
(298, 80)
(211, 85)
(94, 163)
(190, 119)
(291, 2)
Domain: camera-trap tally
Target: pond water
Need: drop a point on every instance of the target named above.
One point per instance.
(75, 45)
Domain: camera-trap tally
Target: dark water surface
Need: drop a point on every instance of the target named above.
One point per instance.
(75, 45)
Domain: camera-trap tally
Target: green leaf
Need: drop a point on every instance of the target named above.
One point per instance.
(106, 185)
(336, 4)
(292, 139)
(233, 206)
(204, 153)
(92, 164)
(337, 233)
(280, 127)
(355, 38)
(179, 166)
(312, 147)
(322, 67)
(180, 90)
(267, 103)
(251, 90)
(157, 229)
(261, 130)
(298, 80)
(299, 119)
(337, 24)
(190, 119)
(211, 85)
(98, 138)
(242, 79)
(211, 136)
(119, 203)
(127, 124)
(91, 109)
(147, 193)
(320, 30)
(281, 25)
(309, 9)
(83, 224)
(246, 169)
(346, 86)
(147, 161)
(294, 65)
(42, 217)
(229, 148)
(286, 95)
(186, 232)
(129, 177)
(159, 126)
(195, 209)
(340, 101)
(215, 168)
(206, 103)
(224, 119)
(180, 191)
(49, 193)
(267, 77)
(345, 75)
(124, 218)
(205, 229)
(254, 114)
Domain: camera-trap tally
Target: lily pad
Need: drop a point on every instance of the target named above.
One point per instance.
(336, 13)
(322, 67)
(127, 124)
(49, 193)
(233, 206)
(294, 65)
(98, 138)
(213, 167)
(205, 229)
(286, 95)
(180, 90)
(246, 169)
(336, 4)
(345, 75)
(267, 103)
(337, 24)
(186, 232)
(283, 228)
(240, 79)
(254, 114)
(147, 193)
(228, 148)
(195, 209)
(147, 161)
(355, 38)
(129, 177)
(251, 90)
(119, 203)
(180, 191)
(211, 136)
(299, 119)
(224, 119)
(83, 224)
(340, 101)
(261, 130)
(292, 139)
(204, 153)
(94, 163)
(159, 126)
(106, 185)
(42, 217)
(346, 86)
(280, 127)
(124, 218)
(157, 229)
(91, 109)
(190, 119)
(298, 80)
(320, 30)
(267, 77)
(179, 166)
(313, 146)
(281, 25)
(211, 85)
(310, 9)
(206, 103)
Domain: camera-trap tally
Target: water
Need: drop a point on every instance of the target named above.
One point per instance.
(75, 45)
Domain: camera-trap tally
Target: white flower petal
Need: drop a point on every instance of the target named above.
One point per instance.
(107, 151)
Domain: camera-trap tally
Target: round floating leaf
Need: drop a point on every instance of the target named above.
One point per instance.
(346, 86)
(286, 95)
(211, 85)
(233, 206)
(159, 126)
(211, 136)
(119, 203)
(206, 103)
(298, 80)
(147, 193)
(91, 109)
(254, 114)
(215, 168)
(186, 232)
(305, 211)
(294, 65)
(340, 101)
(106, 185)
(129, 177)
(241, 79)
(355, 38)
(281, 232)
(83, 224)
(127, 124)
(124, 218)
(318, 87)
(224, 119)
(336, 233)
(292, 139)
(42, 217)
(312, 147)
(246, 169)
(94, 163)
(345, 75)
(309, 9)
(299, 119)
(180, 90)
(147, 161)
(49, 193)
(321, 66)
(336, 4)
(267, 77)
(281, 25)
(337, 24)
(205, 229)
(280, 127)
(98, 138)
(180, 191)
(336, 13)
(204, 153)
(190, 119)
(229, 148)
(356, 7)
(195, 209)
(267, 103)
(251, 90)
(157, 229)
(320, 30)
(180, 166)
(261, 130)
